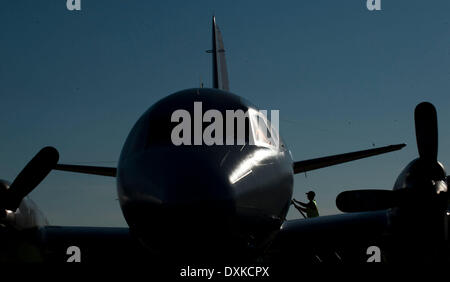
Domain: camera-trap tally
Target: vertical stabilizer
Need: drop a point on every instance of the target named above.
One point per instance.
(220, 73)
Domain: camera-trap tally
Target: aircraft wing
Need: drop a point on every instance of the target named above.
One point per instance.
(55, 244)
(299, 167)
(346, 236)
(343, 236)
(312, 164)
(97, 170)
(96, 244)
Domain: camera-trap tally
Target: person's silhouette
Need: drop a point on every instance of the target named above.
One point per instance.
(309, 208)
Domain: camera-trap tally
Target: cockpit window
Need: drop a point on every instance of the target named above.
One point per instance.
(264, 134)
(227, 130)
(225, 127)
(232, 128)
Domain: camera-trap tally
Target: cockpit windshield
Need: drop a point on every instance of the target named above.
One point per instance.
(213, 127)
(192, 117)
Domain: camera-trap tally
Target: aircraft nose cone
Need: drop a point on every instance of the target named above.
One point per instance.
(170, 177)
(176, 192)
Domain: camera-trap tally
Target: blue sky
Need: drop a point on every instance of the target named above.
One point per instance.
(342, 77)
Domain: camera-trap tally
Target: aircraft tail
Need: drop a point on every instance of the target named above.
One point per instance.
(220, 73)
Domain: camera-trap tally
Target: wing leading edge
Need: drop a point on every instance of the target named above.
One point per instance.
(312, 164)
(97, 170)
(299, 167)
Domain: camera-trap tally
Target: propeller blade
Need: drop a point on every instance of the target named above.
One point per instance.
(365, 200)
(30, 177)
(372, 200)
(426, 131)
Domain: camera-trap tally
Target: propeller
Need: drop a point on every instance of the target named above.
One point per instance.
(425, 118)
(419, 203)
(376, 199)
(365, 200)
(28, 179)
(411, 185)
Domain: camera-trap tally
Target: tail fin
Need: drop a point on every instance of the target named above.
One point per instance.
(220, 73)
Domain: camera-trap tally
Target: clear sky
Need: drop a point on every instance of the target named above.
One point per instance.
(343, 78)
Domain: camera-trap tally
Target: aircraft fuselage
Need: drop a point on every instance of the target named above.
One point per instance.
(200, 197)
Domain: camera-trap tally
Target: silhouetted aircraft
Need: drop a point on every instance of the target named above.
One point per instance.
(203, 203)
(407, 224)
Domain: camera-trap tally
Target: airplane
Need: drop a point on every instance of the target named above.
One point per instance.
(198, 203)
(418, 206)
(408, 224)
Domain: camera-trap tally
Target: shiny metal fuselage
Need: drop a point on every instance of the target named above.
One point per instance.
(200, 197)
